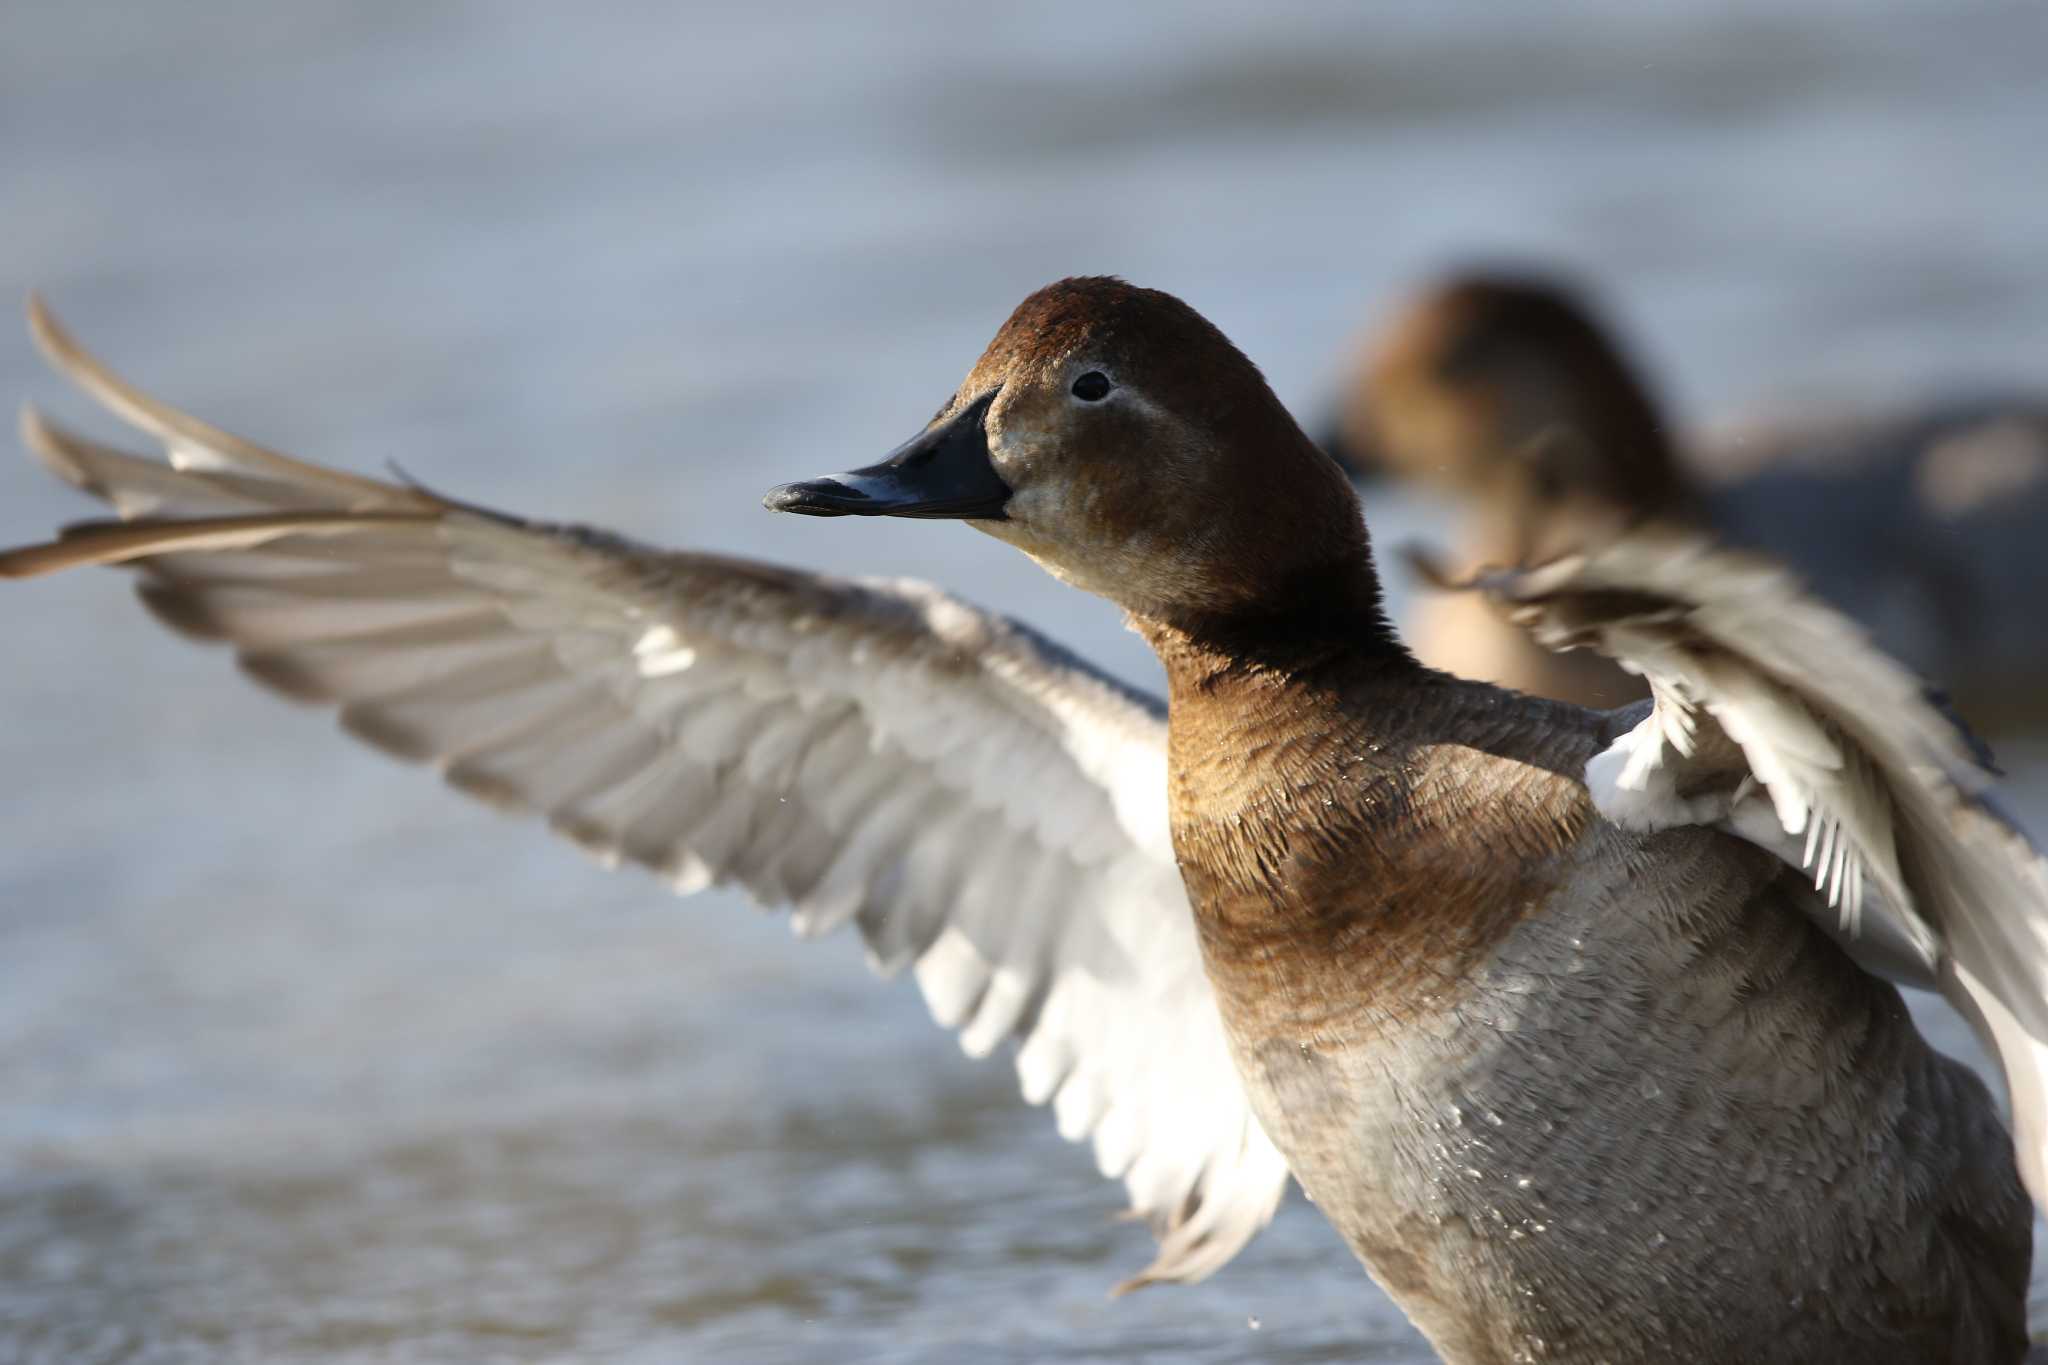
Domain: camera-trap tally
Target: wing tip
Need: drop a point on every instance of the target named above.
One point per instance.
(492, 790)
(180, 429)
(595, 838)
(279, 671)
(57, 448)
(73, 547)
(27, 561)
(43, 328)
(180, 612)
(363, 721)
(1142, 1280)
(1189, 1264)
(54, 341)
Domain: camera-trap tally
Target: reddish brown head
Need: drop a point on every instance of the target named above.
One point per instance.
(1503, 388)
(1128, 447)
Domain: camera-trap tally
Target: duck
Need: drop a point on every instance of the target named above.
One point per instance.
(1582, 1027)
(1505, 391)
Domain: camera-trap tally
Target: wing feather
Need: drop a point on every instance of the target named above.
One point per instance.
(1773, 717)
(987, 809)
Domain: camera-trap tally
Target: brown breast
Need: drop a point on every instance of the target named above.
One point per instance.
(1355, 839)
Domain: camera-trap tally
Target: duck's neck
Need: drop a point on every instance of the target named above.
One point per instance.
(1330, 614)
(1274, 706)
(1272, 716)
(1333, 886)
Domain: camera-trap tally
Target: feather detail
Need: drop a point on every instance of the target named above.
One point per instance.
(1774, 718)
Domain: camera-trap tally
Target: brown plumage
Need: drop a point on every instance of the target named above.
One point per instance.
(1372, 903)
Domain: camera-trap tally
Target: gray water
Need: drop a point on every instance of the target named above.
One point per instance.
(306, 1060)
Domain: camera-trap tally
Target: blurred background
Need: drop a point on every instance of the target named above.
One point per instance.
(305, 1059)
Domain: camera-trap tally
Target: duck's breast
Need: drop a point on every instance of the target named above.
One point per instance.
(1664, 1116)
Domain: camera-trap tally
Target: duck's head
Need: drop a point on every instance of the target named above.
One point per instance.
(1116, 437)
(1503, 389)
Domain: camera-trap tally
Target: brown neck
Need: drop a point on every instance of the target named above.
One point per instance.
(1343, 816)
(1272, 715)
(1325, 614)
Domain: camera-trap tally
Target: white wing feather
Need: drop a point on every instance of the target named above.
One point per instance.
(1773, 717)
(988, 810)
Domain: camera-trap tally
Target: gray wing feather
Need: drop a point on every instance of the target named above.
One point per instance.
(1776, 719)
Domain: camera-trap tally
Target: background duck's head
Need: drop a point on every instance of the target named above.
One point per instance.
(1503, 389)
(1118, 438)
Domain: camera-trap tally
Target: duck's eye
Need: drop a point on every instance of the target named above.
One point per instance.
(1092, 387)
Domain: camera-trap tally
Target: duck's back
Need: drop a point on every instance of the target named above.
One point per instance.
(1579, 1094)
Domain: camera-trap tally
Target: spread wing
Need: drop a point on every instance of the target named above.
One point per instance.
(989, 811)
(1773, 717)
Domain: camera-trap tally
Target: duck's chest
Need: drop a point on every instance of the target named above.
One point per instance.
(1441, 1142)
(1447, 1128)
(1372, 981)
(1584, 1135)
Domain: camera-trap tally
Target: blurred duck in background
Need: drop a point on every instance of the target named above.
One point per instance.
(1505, 391)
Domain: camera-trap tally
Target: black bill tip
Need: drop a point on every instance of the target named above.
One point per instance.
(818, 498)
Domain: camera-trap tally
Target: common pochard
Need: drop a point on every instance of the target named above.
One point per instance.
(1541, 1005)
